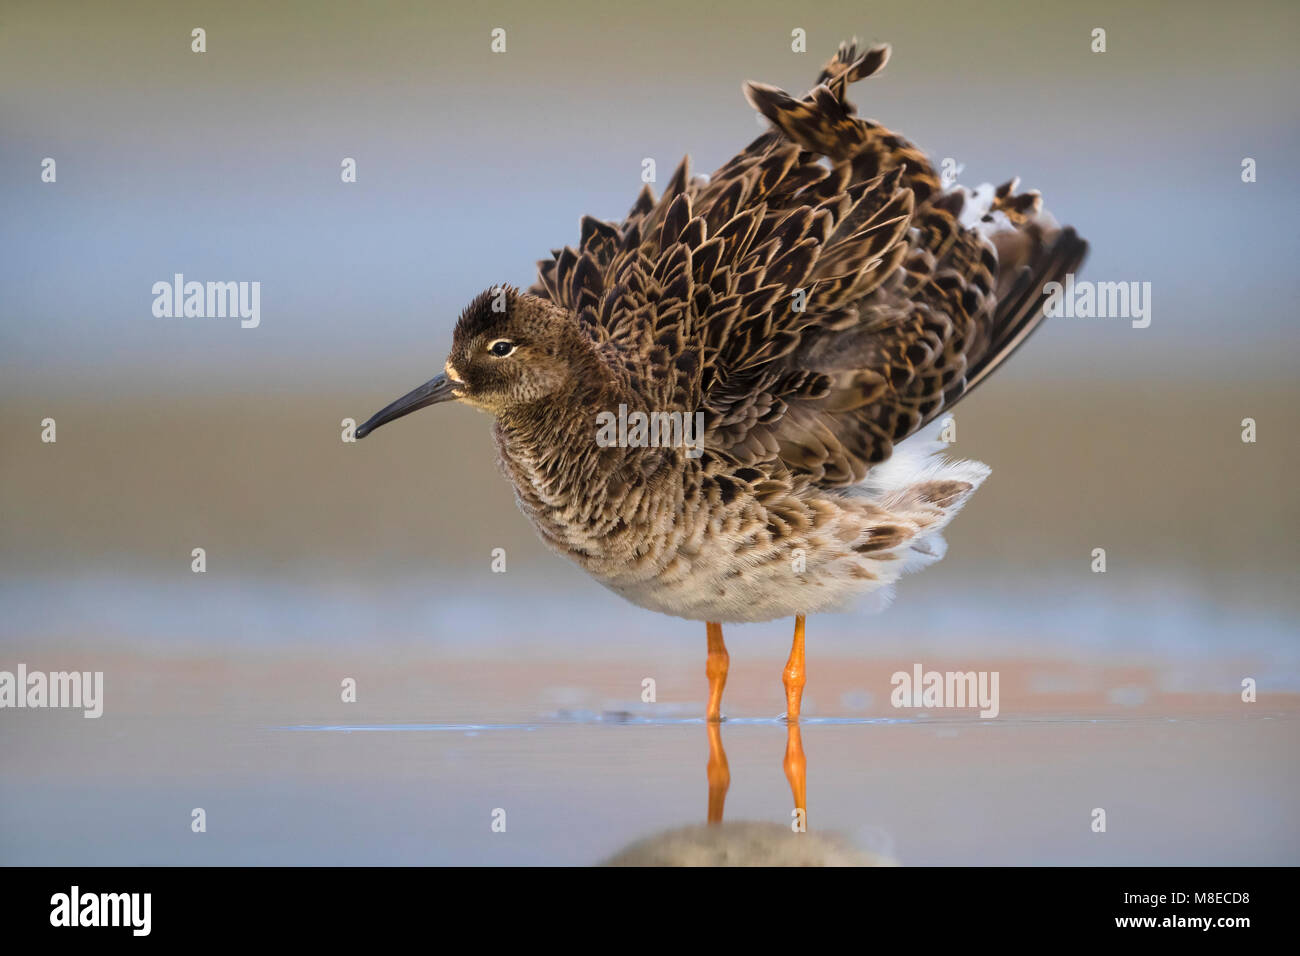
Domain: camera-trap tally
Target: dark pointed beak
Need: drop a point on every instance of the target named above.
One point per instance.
(430, 393)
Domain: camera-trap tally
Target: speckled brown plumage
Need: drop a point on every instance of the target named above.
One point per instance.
(904, 311)
(820, 300)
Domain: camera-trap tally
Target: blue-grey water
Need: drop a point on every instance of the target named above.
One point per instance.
(469, 703)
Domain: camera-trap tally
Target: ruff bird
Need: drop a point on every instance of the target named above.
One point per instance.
(808, 311)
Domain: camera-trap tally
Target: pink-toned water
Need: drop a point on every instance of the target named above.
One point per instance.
(414, 771)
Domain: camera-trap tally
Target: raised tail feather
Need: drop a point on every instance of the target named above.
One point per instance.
(1031, 250)
(1047, 258)
(909, 293)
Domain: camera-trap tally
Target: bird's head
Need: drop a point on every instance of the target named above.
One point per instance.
(510, 351)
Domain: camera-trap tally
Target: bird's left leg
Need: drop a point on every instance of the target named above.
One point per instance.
(715, 668)
(793, 677)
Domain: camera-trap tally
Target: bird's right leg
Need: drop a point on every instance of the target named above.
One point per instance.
(715, 668)
(793, 676)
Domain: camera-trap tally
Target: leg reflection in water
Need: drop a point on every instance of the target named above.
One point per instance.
(719, 773)
(747, 842)
(796, 771)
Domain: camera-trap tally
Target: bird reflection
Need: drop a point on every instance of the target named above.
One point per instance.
(719, 773)
(747, 843)
(796, 772)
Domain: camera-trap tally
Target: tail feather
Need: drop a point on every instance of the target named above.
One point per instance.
(923, 490)
(1020, 309)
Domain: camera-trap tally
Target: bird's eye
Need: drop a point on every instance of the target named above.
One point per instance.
(501, 348)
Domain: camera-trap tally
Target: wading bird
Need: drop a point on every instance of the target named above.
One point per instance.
(820, 299)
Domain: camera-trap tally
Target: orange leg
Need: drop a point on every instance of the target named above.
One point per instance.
(719, 773)
(794, 673)
(715, 669)
(796, 769)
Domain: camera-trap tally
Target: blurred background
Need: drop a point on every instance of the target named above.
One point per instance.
(328, 560)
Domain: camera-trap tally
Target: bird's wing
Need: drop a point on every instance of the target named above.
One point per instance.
(821, 296)
(632, 286)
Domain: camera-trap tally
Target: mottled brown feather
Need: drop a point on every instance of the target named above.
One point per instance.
(904, 309)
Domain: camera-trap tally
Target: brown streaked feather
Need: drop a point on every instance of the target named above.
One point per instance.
(904, 309)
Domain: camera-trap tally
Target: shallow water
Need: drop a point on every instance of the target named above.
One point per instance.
(1001, 792)
(553, 731)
